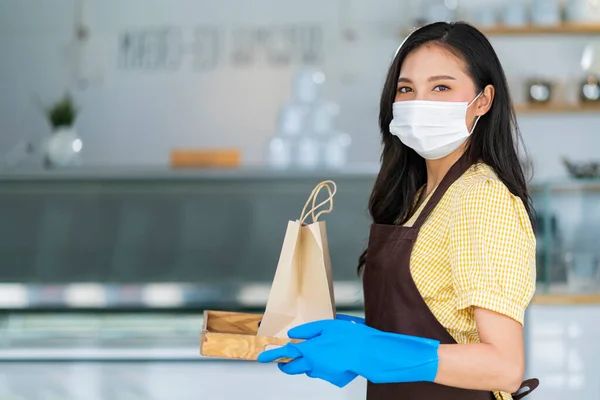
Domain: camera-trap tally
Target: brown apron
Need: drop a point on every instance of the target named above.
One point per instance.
(394, 304)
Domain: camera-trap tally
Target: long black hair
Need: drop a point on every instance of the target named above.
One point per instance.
(493, 141)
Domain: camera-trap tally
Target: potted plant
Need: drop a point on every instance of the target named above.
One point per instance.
(64, 145)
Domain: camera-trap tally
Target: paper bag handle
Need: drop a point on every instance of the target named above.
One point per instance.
(313, 197)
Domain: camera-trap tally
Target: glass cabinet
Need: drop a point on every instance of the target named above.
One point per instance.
(568, 235)
(185, 238)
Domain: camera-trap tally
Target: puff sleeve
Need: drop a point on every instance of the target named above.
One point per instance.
(492, 250)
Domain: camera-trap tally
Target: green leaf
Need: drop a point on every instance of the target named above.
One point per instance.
(63, 113)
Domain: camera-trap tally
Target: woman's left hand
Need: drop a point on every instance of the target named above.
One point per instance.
(339, 350)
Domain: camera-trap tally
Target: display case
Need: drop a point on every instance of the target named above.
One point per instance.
(568, 238)
(106, 239)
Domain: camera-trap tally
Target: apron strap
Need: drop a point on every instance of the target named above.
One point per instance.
(527, 387)
(455, 172)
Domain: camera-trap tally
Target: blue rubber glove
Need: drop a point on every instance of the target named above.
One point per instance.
(337, 351)
(351, 318)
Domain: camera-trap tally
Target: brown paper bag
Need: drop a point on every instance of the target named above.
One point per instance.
(302, 289)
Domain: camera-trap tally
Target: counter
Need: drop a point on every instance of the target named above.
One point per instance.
(84, 174)
(173, 238)
(561, 343)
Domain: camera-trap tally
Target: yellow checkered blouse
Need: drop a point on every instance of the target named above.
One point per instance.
(477, 248)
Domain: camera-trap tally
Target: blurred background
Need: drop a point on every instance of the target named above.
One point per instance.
(152, 152)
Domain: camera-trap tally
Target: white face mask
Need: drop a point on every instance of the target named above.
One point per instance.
(433, 129)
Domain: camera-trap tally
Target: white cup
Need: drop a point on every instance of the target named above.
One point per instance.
(515, 14)
(586, 11)
(545, 12)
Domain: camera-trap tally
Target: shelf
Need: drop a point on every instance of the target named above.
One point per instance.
(566, 299)
(559, 294)
(556, 108)
(564, 29)
(568, 186)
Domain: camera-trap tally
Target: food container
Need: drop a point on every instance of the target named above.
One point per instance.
(232, 335)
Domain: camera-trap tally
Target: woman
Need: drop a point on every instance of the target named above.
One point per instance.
(450, 265)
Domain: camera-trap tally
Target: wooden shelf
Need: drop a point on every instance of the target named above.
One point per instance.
(566, 299)
(564, 29)
(572, 185)
(558, 294)
(556, 108)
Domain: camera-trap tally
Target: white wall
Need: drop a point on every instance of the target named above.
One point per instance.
(232, 106)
